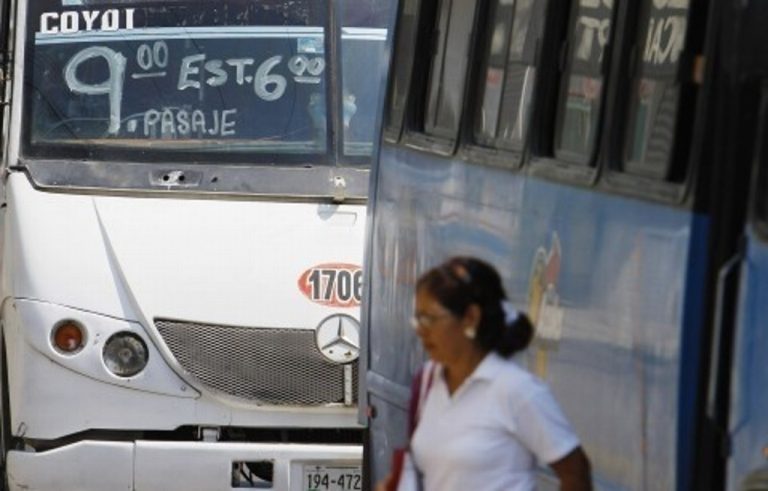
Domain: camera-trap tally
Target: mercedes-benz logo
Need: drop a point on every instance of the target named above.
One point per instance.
(338, 338)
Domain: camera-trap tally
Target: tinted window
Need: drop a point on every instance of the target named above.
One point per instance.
(506, 89)
(656, 89)
(402, 66)
(582, 86)
(448, 67)
(413, 29)
(760, 191)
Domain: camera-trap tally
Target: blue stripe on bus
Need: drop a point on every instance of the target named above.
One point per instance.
(690, 361)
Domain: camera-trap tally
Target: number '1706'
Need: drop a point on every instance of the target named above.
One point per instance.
(328, 285)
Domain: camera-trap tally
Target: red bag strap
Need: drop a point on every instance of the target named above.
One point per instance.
(420, 386)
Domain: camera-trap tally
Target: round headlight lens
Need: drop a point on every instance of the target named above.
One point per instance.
(125, 354)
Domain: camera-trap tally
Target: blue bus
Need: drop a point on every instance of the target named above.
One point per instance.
(607, 156)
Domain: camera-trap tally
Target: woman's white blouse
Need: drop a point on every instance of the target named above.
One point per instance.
(490, 433)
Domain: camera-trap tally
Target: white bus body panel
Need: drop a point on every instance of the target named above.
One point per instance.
(224, 262)
(166, 466)
(118, 263)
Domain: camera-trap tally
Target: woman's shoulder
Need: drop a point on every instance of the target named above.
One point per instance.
(516, 382)
(513, 370)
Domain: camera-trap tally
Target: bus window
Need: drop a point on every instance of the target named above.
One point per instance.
(240, 82)
(655, 93)
(363, 54)
(445, 93)
(407, 31)
(581, 91)
(760, 190)
(503, 113)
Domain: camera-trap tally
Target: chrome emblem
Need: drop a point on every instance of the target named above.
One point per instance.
(338, 338)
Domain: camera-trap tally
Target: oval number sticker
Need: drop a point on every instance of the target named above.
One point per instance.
(333, 284)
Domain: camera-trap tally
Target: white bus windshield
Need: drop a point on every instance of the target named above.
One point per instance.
(231, 80)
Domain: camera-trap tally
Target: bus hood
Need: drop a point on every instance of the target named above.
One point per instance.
(243, 263)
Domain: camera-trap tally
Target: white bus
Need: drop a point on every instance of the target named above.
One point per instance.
(183, 208)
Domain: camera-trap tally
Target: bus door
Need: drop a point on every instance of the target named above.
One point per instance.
(735, 411)
(747, 468)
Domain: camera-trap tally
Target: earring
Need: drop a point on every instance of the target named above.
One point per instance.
(470, 332)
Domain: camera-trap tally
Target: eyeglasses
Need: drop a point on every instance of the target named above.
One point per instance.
(426, 320)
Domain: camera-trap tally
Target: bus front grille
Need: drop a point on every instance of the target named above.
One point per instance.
(260, 365)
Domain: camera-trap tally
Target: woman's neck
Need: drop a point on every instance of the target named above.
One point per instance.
(457, 372)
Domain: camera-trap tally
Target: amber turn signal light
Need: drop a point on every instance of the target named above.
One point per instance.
(68, 336)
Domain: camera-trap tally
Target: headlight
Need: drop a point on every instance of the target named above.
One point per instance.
(125, 354)
(68, 337)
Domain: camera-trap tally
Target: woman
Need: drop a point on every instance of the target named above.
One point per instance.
(484, 421)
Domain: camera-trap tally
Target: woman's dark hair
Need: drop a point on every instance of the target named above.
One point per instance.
(463, 281)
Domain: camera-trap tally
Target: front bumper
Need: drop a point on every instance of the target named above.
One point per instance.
(165, 466)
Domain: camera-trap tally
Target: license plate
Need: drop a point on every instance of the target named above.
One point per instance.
(332, 478)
